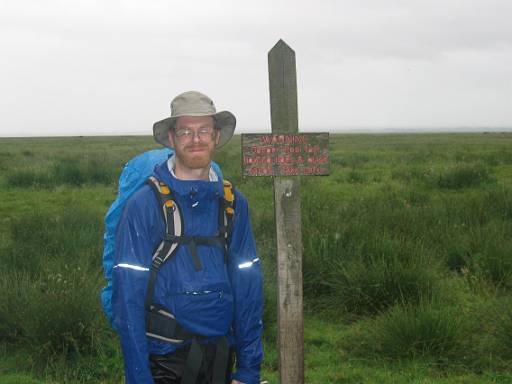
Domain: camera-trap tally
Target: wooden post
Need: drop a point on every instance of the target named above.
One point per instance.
(283, 108)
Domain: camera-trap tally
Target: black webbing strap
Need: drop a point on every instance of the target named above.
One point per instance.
(220, 364)
(192, 364)
(223, 229)
(151, 282)
(193, 241)
(195, 357)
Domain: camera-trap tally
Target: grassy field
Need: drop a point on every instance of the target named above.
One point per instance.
(407, 258)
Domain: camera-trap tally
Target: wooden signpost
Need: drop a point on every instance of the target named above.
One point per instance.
(284, 154)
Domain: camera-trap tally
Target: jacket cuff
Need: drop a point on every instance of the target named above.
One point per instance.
(246, 377)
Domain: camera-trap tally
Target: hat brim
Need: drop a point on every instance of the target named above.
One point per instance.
(225, 121)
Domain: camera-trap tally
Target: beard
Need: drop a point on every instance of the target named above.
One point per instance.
(193, 160)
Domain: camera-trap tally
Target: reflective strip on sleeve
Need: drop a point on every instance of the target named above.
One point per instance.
(248, 263)
(131, 266)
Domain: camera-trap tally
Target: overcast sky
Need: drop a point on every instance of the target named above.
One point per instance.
(111, 67)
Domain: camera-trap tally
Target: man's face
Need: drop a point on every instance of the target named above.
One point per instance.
(194, 139)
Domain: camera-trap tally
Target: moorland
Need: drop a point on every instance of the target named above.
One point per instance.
(407, 253)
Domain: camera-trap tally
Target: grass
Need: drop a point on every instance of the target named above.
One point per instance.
(407, 271)
(66, 170)
(410, 332)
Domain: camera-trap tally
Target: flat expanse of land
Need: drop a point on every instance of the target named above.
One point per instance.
(407, 258)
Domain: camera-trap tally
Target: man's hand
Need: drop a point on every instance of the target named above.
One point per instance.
(236, 382)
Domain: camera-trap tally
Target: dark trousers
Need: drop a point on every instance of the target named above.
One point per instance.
(168, 369)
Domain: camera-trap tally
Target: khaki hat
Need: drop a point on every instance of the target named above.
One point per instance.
(194, 103)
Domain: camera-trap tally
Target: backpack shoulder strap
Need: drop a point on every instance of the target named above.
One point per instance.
(173, 220)
(227, 211)
(171, 212)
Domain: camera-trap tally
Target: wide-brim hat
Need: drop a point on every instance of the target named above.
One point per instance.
(194, 103)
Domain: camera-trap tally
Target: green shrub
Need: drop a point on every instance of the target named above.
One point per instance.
(270, 301)
(387, 272)
(499, 202)
(356, 177)
(19, 378)
(27, 153)
(458, 176)
(68, 170)
(71, 170)
(496, 157)
(55, 313)
(504, 330)
(100, 172)
(495, 264)
(481, 251)
(408, 332)
(40, 236)
(50, 279)
(412, 174)
(65, 310)
(486, 332)
(417, 198)
(319, 250)
(28, 178)
(15, 287)
(456, 257)
(367, 253)
(356, 159)
(463, 176)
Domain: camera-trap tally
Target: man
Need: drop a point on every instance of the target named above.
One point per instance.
(211, 294)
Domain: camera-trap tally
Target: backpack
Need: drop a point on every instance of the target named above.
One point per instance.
(135, 173)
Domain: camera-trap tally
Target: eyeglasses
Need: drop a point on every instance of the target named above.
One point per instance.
(185, 134)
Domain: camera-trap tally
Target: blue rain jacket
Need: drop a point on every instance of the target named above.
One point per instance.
(218, 300)
(134, 175)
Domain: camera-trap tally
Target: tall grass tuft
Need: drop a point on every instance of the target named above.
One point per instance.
(384, 272)
(355, 177)
(38, 237)
(504, 330)
(408, 332)
(56, 313)
(67, 170)
(71, 170)
(494, 264)
(49, 279)
(27, 153)
(481, 252)
(270, 300)
(464, 175)
(28, 178)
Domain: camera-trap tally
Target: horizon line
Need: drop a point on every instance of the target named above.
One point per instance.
(354, 130)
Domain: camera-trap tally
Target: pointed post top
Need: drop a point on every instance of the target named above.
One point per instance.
(283, 88)
(281, 46)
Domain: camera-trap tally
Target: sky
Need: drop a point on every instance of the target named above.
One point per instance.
(84, 67)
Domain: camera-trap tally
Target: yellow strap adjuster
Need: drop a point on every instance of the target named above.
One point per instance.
(164, 189)
(228, 192)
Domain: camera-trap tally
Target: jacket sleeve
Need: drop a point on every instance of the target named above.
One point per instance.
(246, 279)
(130, 278)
